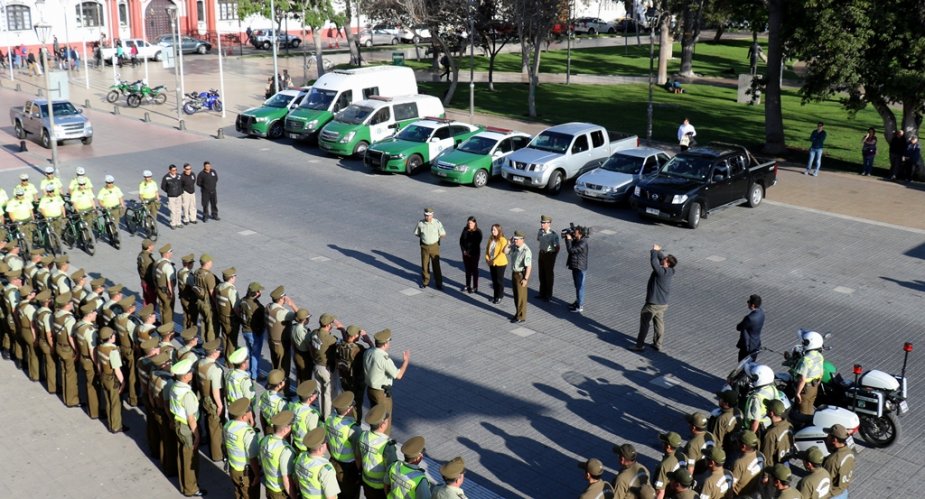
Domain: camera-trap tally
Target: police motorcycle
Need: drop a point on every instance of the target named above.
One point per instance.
(876, 397)
(749, 375)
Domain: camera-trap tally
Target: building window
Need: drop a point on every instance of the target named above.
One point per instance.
(123, 14)
(227, 11)
(18, 18)
(201, 11)
(89, 15)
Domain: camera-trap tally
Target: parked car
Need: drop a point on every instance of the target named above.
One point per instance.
(415, 34)
(32, 119)
(592, 26)
(145, 50)
(267, 120)
(417, 144)
(372, 36)
(265, 38)
(615, 179)
(563, 152)
(629, 25)
(479, 158)
(188, 44)
(702, 180)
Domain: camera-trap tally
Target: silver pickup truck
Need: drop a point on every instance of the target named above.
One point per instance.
(70, 123)
(561, 153)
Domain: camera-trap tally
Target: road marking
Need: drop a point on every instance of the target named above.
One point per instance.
(517, 210)
(666, 381)
(437, 191)
(264, 149)
(313, 161)
(247, 232)
(842, 289)
(523, 332)
(716, 258)
(319, 258)
(608, 232)
(410, 291)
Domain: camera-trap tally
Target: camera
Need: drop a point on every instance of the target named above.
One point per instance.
(570, 231)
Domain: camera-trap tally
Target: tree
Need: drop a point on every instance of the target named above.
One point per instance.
(494, 27)
(773, 116)
(534, 20)
(691, 15)
(315, 13)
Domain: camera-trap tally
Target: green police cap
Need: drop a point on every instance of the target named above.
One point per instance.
(284, 418)
(626, 451)
(545, 218)
(37, 252)
(47, 260)
(671, 438)
(749, 438)
(344, 401)
(306, 388)
(593, 466)
(160, 359)
(239, 407)
(62, 300)
(87, 308)
(278, 293)
(167, 328)
(813, 455)
(229, 273)
(275, 377)
(204, 259)
(779, 471)
(413, 447)
(189, 333)
(146, 243)
(167, 248)
(682, 476)
(730, 397)
(25, 290)
(106, 333)
(383, 337)
(238, 356)
(190, 258)
(78, 275)
(115, 289)
(518, 235)
(61, 260)
(44, 295)
(697, 420)
(149, 344)
(302, 314)
(717, 455)
(146, 311)
(99, 281)
(353, 330)
(838, 431)
(775, 406)
(211, 346)
(181, 368)
(254, 287)
(326, 319)
(128, 301)
(376, 415)
(314, 439)
(451, 470)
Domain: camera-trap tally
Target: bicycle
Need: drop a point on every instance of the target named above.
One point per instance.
(15, 234)
(104, 224)
(310, 63)
(77, 232)
(46, 237)
(138, 218)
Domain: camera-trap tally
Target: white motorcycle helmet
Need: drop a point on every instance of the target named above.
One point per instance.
(761, 375)
(811, 340)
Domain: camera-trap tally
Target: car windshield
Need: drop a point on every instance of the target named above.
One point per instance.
(415, 133)
(60, 109)
(478, 145)
(552, 142)
(354, 114)
(279, 100)
(319, 99)
(691, 167)
(165, 40)
(623, 164)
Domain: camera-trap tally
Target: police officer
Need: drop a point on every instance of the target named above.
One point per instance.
(672, 459)
(548, 246)
(159, 391)
(190, 340)
(66, 349)
(818, 483)
(807, 373)
(406, 479)
(271, 401)
(124, 326)
(350, 368)
(52, 209)
(80, 176)
(111, 198)
(306, 417)
(86, 338)
(226, 297)
(25, 312)
(238, 383)
(700, 441)
(83, 201)
(316, 477)
(840, 462)
(376, 451)
(632, 477)
(746, 470)
(44, 331)
(184, 408)
(242, 447)
(521, 265)
(165, 283)
(682, 484)
(717, 484)
(343, 433)
(279, 327)
(277, 457)
(253, 324)
(430, 231)
(779, 478)
(205, 295)
(762, 381)
(110, 366)
(52, 180)
(323, 355)
(148, 194)
(777, 441)
(32, 194)
(724, 425)
(209, 375)
(185, 284)
(144, 371)
(145, 265)
(381, 372)
(301, 345)
(594, 472)
(19, 210)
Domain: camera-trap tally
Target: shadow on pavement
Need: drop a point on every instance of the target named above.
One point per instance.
(913, 285)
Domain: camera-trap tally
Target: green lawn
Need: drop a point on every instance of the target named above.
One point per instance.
(712, 110)
(710, 59)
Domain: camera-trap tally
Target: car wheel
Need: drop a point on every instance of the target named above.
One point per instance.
(266, 46)
(480, 178)
(413, 164)
(416, 39)
(591, 32)
(554, 186)
(360, 149)
(46, 140)
(157, 57)
(295, 44)
(87, 140)
(693, 215)
(20, 133)
(755, 195)
(276, 130)
(369, 43)
(395, 41)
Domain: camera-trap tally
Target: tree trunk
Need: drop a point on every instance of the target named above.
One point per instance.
(454, 69)
(354, 47)
(886, 115)
(534, 69)
(319, 60)
(910, 107)
(687, 41)
(719, 33)
(665, 48)
(491, 71)
(773, 117)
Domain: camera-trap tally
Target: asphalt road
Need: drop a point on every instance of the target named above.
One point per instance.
(520, 404)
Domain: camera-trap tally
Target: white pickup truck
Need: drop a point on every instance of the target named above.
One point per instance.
(561, 153)
(145, 50)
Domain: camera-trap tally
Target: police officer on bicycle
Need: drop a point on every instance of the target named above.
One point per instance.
(19, 209)
(83, 201)
(52, 208)
(110, 198)
(148, 193)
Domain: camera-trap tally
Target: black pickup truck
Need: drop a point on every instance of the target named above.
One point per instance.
(702, 180)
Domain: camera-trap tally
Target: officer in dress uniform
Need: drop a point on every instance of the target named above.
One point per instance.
(301, 344)
(165, 283)
(209, 375)
(323, 356)
(279, 326)
(184, 408)
(226, 297)
(110, 366)
(381, 372)
(406, 478)
(343, 433)
(521, 265)
(185, 290)
(46, 339)
(548, 244)
(430, 232)
(86, 338)
(204, 291)
(242, 447)
(314, 473)
(453, 474)
(66, 349)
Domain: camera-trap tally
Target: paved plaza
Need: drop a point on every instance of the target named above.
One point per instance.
(520, 403)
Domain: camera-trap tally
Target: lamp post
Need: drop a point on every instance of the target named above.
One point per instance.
(172, 14)
(652, 16)
(221, 70)
(471, 60)
(42, 30)
(568, 45)
(274, 45)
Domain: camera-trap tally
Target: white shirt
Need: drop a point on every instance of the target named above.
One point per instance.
(685, 129)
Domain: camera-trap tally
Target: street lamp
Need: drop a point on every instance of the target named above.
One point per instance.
(42, 30)
(471, 60)
(274, 45)
(172, 14)
(652, 17)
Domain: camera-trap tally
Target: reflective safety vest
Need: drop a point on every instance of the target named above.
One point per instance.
(51, 206)
(53, 181)
(404, 480)
(19, 209)
(236, 433)
(271, 404)
(306, 420)
(74, 184)
(372, 453)
(82, 199)
(754, 405)
(29, 190)
(235, 385)
(271, 449)
(339, 430)
(308, 470)
(178, 392)
(812, 366)
(109, 196)
(147, 190)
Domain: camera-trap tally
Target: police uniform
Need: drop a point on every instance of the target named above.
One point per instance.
(226, 297)
(19, 211)
(66, 350)
(51, 180)
(377, 453)
(450, 472)
(279, 322)
(42, 321)
(322, 357)
(184, 407)
(25, 312)
(380, 373)
(781, 472)
(143, 371)
(271, 401)
(811, 368)
(111, 198)
(52, 209)
(404, 479)
(209, 375)
(746, 470)
(149, 195)
(165, 283)
(205, 297)
(777, 440)
(315, 474)
(159, 397)
(839, 464)
(755, 406)
(110, 362)
(145, 265)
(718, 484)
(429, 232)
(818, 483)
(521, 261)
(276, 458)
(548, 245)
(306, 418)
(301, 345)
(671, 461)
(700, 441)
(724, 425)
(124, 326)
(238, 383)
(86, 338)
(84, 202)
(350, 366)
(633, 477)
(343, 433)
(185, 282)
(242, 447)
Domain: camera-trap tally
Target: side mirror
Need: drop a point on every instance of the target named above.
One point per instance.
(80, 111)
(497, 154)
(434, 140)
(393, 126)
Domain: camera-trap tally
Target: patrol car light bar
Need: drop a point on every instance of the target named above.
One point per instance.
(497, 130)
(438, 120)
(380, 98)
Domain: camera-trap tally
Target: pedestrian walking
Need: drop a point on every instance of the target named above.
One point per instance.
(429, 232)
(750, 329)
(470, 243)
(496, 256)
(868, 151)
(207, 182)
(816, 145)
(548, 246)
(657, 291)
(897, 149)
(188, 196)
(173, 187)
(381, 372)
(686, 134)
(521, 265)
(576, 244)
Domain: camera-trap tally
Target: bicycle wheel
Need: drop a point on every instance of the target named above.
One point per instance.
(151, 227)
(54, 243)
(69, 236)
(131, 221)
(113, 232)
(87, 240)
(23, 246)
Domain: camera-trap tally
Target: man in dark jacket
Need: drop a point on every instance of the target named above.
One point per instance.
(172, 186)
(577, 247)
(750, 329)
(188, 197)
(207, 182)
(657, 291)
(897, 149)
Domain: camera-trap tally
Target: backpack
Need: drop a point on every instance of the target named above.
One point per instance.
(344, 361)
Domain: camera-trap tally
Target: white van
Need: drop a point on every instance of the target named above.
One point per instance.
(367, 121)
(336, 90)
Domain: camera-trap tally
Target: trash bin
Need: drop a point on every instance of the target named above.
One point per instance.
(398, 58)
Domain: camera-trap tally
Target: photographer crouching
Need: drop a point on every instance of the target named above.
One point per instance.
(576, 244)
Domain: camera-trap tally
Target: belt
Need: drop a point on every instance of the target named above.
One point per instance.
(521, 271)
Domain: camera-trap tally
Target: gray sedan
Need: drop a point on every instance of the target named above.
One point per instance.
(614, 180)
(187, 44)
